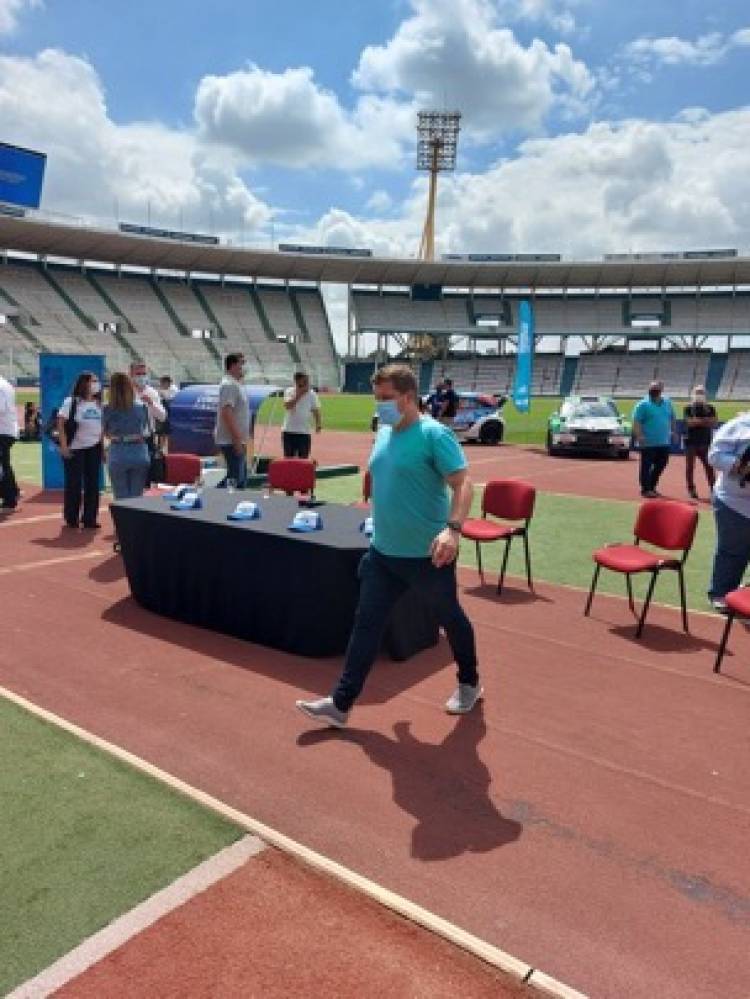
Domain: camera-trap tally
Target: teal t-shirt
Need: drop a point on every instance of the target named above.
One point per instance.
(410, 500)
(656, 420)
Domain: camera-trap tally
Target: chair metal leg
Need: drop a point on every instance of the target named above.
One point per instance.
(723, 643)
(528, 560)
(629, 584)
(505, 562)
(479, 561)
(683, 600)
(646, 602)
(594, 581)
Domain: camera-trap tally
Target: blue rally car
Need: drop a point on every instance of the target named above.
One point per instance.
(478, 419)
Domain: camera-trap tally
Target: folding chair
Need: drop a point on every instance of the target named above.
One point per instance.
(738, 605)
(665, 524)
(292, 475)
(507, 499)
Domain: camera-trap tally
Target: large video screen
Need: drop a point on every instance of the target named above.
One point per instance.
(21, 175)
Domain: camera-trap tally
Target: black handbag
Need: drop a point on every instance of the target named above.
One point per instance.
(157, 471)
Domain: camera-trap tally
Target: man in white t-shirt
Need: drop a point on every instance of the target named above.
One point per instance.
(8, 437)
(301, 403)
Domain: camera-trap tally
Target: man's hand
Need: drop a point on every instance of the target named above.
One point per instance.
(65, 453)
(239, 448)
(444, 548)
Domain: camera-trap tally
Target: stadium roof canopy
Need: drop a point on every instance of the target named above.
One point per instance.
(49, 239)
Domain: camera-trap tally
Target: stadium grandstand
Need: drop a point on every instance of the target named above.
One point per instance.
(606, 326)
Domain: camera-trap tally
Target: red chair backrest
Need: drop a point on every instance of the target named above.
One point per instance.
(509, 499)
(292, 475)
(666, 524)
(182, 468)
(366, 487)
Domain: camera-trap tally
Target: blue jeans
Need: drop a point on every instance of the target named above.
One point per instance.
(383, 580)
(236, 467)
(732, 552)
(128, 481)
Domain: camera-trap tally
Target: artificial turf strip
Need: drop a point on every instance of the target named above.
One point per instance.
(83, 839)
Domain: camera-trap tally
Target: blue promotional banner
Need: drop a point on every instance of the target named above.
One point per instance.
(524, 358)
(57, 375)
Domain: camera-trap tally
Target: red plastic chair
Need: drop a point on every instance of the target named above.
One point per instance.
(508, 499)
(364, 503)
(738, 605)
(292, 475)
(182, 468)
(665, 524)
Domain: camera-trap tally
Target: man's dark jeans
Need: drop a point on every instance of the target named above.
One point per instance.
(653, 462)
(383, 580)
(693, 451)
(236, 467)
(732, 552)
(8, 486)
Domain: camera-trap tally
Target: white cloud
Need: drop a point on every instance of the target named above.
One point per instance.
(614, 187)
(11, 11)
(287, 119)
(55, 102)
(456, 52)
(707, 50)
(558, 14)
(379, 201)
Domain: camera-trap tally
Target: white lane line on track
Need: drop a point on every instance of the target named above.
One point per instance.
(129, 925)
(17, 522)
(494, 956)
(8, 570)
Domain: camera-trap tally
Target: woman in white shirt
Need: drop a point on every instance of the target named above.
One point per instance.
(81, 450)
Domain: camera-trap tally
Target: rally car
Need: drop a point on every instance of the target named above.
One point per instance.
(589, 424)
(477, 420)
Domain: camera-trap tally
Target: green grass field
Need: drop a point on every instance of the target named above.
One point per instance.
(84, 839)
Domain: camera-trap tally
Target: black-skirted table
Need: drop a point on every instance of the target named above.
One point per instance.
(256, 579)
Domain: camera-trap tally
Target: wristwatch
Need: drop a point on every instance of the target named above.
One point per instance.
(454, 525)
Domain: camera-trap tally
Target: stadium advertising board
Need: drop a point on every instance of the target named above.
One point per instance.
(505, 258)
(672, 255)
(332, 251)
(21, 175)
(183, 237)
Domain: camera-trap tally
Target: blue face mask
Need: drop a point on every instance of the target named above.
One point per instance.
(388, 413)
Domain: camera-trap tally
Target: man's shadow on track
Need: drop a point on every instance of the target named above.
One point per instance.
(446, 787)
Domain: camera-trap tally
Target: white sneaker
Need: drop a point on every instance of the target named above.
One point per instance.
(324, 712)
(463, 699)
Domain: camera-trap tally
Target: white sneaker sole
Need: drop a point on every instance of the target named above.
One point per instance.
(325, 720)
(465, 711)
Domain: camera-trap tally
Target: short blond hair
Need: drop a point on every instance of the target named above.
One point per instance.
(401, 377)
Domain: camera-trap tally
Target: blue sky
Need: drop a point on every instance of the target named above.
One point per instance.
(588, 125)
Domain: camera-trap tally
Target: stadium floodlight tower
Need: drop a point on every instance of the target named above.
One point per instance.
(437, 141)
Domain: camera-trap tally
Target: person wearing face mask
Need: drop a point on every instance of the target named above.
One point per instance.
(232, 430)
(700, 418)
(654, 428)
(421, 494)
(81, 451)
(147, 396)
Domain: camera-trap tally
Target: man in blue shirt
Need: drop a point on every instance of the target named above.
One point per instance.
(414, 463)
(654, 426)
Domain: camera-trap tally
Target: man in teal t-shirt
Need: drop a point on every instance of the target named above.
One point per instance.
(421, 495)
(654, 427)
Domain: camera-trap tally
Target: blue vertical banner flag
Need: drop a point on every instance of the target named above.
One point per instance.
(524, 357)
(57, 375)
